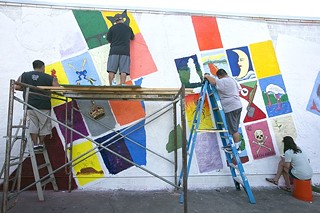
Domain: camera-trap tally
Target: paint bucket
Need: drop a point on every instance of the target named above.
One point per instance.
(302, 190)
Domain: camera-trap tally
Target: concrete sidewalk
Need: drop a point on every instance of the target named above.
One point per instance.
(270, 199)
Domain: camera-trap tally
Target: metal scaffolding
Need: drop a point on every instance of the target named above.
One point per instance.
(68, 93)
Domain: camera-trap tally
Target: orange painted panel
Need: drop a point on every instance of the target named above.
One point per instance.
(126, 112)
(207, 32)
(141, 60)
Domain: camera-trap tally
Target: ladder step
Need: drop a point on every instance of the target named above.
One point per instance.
(234, 166)
(49, 180)
(12, 158)
(19, 126)
(239, 180)
(211, 130)
(16, 163)
(43, 166)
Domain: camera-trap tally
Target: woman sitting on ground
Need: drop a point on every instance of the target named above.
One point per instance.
(294, 164)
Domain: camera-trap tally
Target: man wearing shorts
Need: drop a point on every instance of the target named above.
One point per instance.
(119, 36)
(38, 124)
(228, 90)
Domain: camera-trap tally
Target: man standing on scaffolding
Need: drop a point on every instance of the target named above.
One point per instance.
(38, 124)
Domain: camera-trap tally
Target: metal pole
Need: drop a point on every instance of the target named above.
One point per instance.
(184, 150)
(175, 147)
(8, 149)
(71, 143)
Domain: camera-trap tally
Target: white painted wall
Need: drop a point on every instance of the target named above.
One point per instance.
(169, 37)
(272, 8)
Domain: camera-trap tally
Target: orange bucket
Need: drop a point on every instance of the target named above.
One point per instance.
(302, 190)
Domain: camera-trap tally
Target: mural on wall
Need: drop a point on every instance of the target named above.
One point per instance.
(93, 27)
(314, 100)
(260, 140)
(170, 147)
(114, 146)
(207, 152)
(63, 114)
(191, 106)
(207, 32)
(283, 126)
(248, 93)
(244, 158)
(240, 63)
(103, 124)
(189, 71)
(80, 70)
(81, 57)
(275, 96)
(264, 59)
(86, 169)
(214, 60)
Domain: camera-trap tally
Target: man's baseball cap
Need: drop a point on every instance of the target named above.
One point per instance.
(118, 17)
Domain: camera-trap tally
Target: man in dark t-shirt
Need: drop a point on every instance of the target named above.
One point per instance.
(38, 124)
(119, 36)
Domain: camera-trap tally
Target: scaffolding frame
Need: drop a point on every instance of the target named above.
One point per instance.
(73, 92)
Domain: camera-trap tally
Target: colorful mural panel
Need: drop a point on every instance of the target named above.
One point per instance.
(260, 140)
(240, 63)
(114, 148)
(248, 92)
(314, 100)
(275, 96)
(93, 27)
(189, 70)
(63, 114)
(283, 126)
(207, 32)
(214, 60)
(80, 70)
(208, 153)
(264, 59)
(87, 169)
(97, 126)
(206, 117)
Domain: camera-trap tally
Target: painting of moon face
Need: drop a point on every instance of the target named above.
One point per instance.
(240, 63)
(243, 63)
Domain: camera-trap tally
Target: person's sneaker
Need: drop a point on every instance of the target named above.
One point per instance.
(38, 148)
(229, 150)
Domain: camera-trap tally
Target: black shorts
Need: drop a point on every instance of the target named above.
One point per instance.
(233, 120)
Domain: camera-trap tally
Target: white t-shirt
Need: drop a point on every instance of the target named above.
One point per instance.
(228, 90)
(300, 164)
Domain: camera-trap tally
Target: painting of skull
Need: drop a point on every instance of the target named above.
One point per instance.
(260, 140)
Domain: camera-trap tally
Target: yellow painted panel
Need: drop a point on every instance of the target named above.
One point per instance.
(264, 59)
(89, 169)
(57, 70)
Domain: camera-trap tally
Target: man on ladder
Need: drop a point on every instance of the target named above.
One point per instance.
(226, 107)
(38, 125)
(228, 89)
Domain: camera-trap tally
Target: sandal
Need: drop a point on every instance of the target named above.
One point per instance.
(271, 180)
(285, 188)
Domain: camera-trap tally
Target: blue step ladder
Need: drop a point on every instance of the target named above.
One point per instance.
(233, 159)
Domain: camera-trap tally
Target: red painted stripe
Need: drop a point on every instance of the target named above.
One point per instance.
(207, 32)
